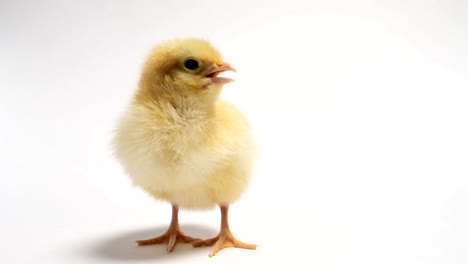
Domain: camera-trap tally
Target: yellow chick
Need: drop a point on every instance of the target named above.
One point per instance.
(181, 144)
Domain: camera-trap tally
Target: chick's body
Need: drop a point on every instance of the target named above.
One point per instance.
(180, 144)
(186, 156)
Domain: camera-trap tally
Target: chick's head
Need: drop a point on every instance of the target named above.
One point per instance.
(185, 67)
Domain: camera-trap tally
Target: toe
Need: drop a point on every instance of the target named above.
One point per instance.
(240, 244)
(206, 242)
(221, 244)
(171, 243)
(152, 241)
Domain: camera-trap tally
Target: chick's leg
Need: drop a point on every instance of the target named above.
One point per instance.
(225, 238)
(172, 236)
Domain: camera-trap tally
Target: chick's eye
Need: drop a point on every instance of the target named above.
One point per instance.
(191, 64)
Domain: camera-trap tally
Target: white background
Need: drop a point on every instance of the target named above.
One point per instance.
(360, 111)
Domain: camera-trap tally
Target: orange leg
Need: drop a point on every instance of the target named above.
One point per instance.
(172, 236)
(225, 238)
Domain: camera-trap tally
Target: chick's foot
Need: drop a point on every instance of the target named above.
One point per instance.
(224, 239)
(172, 236)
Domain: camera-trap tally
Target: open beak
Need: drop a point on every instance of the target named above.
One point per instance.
(216, 70)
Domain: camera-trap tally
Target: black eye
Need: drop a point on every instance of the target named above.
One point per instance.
(191, 64)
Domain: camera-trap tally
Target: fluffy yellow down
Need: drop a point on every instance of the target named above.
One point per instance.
(192, 158)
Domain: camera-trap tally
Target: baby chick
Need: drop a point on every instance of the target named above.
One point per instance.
(181, 144)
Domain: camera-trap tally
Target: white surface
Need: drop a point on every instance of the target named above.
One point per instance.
(360, 110)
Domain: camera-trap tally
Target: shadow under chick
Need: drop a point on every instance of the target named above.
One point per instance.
(124, 247)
